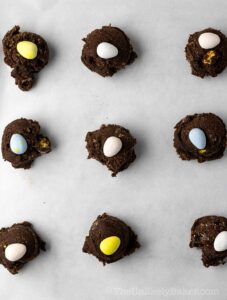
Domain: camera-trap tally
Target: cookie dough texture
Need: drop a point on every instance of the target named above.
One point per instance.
(206, 62)
(37, 143)
(95, 143)
(203, 234)
(24, 69)
(103, 227)
(215, 132)
(114, 36)
(20, 233)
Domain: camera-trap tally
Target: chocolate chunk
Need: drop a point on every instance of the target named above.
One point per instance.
(110, 239)
(215, 134)
(204, 233)
(19, 244)
(113, 146)
(116, 51)
(22, 143)
(208, 61)
(24, 68)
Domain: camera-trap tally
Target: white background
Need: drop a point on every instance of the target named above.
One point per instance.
(160, 196)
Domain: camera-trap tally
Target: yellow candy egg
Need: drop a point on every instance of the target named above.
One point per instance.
(109, 245)
(27, 49)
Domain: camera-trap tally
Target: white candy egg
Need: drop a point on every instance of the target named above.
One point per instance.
(220, 242)
(106, 50)
(15, 252)
(197, 138)
(18, 144)
(112, 146)
(208, 40)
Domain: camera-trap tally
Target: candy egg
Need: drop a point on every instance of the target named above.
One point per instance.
(110, 245)
(18, 144)
(15, 252)
(220, 242)
(27, 49)
(112, 146)
(197, 138)
(106, 50)
(209, 40)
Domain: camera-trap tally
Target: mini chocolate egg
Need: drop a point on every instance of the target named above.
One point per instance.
(106, 50)
(15, 252)
(27, 49)
(109, 245)
(197, 138)
(112, 146)
(18, 144)
(208, 40)
(220, 242)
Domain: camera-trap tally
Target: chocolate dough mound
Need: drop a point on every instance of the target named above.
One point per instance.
(215, 134)
(203, 234)
(102, 66)
(206, 62)
(121, 160)
(107, 226)
(24, 235)
(37, 144)
(23, 68)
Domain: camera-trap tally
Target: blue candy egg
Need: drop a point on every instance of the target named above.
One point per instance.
(198, 138)
(18, 144)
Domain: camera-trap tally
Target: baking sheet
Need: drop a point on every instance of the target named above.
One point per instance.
(159, 195)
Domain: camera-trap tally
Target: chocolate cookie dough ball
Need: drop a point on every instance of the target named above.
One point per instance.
(22, 143)
(210, 235)
(206, 52)
(27, 53)
(201, 137)
(107, 50)
(110, 239)
(19, 244)
(113, 146)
